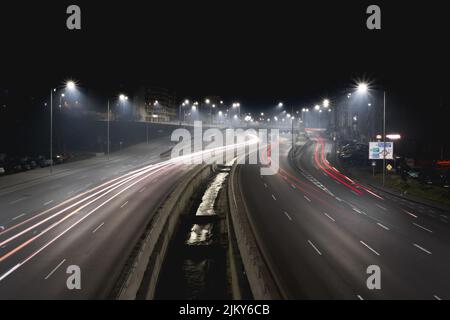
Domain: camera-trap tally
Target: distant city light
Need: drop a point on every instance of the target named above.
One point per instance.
(326, 103)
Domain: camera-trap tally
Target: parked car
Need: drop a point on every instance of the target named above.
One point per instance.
(2, 170)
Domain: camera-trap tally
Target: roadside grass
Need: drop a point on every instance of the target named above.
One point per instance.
(414, 188)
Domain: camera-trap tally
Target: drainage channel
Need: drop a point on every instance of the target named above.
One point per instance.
(196, 266)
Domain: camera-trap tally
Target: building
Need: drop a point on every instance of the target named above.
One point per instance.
(156, 104)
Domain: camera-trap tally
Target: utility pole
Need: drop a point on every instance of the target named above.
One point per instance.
(107, 133)
(51, 131)
(384, 137)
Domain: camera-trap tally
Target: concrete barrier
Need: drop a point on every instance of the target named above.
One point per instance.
(140, 278)
(262, 281)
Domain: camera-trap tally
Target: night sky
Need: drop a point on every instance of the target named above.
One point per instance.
(259, 53)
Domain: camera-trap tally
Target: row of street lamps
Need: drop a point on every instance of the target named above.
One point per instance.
(70, 85)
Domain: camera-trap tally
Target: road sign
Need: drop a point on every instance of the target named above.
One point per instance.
(377, 150)
(389, 167)
(374, 163)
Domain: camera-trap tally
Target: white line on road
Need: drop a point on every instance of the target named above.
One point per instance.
(293, 187)
(308, 199)
(422, 248)
(436, 297)
(18, 200)
(359, 297)
(315, 248)
(48, 202)
(288, 216)
(265, 185)
(368, 247)
(383, 226)
(381, 207)
(273, 197)
(411, 214)
(10, 271)
(124, 205)
(422, 227)
(96, 229)
(17, 217)
(329, 217)
(56, 268)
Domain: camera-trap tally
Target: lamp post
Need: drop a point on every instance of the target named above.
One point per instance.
(71, 86)
(363, 88)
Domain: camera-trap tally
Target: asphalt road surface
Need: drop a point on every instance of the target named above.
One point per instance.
(89, 214)
(320, 231)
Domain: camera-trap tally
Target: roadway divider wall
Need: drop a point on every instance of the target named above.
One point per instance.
(141, 277)
(261, 280)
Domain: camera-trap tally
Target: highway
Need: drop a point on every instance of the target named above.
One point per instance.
(319, 231)
(89, 213)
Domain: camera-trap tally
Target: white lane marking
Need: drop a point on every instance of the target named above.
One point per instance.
(56, 268)
(359, 297)
(10, 271)
(19, 216)
(96, 229)
(422, 248)
(411, 214)
(329, 217)
(273, 197)
(265, 185)
(307, 199)
(436, 297)
(381, 207)
(123, 205)
(315, 248)
(48, 202)
(18, 200)
(368, 247)
(422, 227)
(288, 216)
(142, 190)
(383, 226)
(293, 187)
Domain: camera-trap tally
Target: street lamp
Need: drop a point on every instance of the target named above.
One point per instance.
(364, 88)
(70, 85)
(326, 103)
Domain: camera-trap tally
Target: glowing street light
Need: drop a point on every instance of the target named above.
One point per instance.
(326, 103)
(70, 85)
(317, 107)
(362, 87)
(280, 104)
